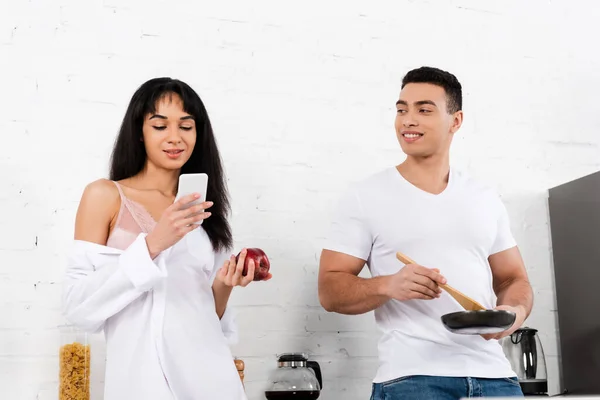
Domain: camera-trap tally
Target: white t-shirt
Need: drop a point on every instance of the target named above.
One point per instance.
(455, 231)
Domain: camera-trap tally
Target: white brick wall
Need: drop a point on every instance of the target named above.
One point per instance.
(302, 100)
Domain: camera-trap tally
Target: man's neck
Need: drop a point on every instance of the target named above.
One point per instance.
(429, 174)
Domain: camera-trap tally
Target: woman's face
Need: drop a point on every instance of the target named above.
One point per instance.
(169, 134)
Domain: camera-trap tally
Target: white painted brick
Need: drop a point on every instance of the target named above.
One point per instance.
(552, 366)
(302, 101)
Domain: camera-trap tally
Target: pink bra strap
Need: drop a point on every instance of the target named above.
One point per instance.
(123, 203)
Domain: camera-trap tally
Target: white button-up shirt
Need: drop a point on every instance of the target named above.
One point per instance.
(164, 340)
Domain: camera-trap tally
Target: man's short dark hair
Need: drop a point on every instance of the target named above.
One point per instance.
(436, 76)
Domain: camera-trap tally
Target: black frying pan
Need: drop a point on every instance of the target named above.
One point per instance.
(478, 322)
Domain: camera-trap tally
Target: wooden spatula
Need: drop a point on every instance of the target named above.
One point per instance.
(468, 303)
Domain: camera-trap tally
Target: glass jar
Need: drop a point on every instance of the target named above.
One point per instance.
(74, 364)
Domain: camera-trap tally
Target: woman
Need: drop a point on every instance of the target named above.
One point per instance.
(142, 271)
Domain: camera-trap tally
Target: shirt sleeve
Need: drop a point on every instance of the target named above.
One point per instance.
(97, 286)
(504, 238)
(349, 232)
(228, 322)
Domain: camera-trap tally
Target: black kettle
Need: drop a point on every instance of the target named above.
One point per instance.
(524, 351)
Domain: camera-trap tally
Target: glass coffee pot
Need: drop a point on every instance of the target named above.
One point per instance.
(524, 351)
(296, 378)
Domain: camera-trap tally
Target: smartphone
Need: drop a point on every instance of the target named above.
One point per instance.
(192, 183)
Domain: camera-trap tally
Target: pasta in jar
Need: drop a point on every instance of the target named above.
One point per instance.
(74, 367)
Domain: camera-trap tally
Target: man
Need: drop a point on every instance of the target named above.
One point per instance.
(456, 229)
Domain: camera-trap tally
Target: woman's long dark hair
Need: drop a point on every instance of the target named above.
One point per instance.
(129, 154)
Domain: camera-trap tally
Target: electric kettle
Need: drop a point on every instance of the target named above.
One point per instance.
(524, 351)
(295, 378)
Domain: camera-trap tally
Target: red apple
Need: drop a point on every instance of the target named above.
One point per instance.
(261, 263)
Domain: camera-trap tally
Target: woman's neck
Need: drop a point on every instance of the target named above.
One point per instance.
(163, 180)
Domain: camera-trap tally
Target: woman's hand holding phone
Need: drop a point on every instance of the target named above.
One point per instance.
(175, 222)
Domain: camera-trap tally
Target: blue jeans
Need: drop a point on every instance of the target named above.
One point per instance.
(444, 388)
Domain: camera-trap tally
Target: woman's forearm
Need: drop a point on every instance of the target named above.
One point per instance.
(221, 293)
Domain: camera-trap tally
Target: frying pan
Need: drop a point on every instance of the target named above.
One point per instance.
(476, 320)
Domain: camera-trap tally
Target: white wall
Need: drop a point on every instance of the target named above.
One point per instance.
(302, 97)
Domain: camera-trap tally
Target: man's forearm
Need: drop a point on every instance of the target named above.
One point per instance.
(221, 293)
(516, 293)
(345, 293)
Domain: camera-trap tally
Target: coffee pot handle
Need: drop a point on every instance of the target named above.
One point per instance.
(317, 368)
